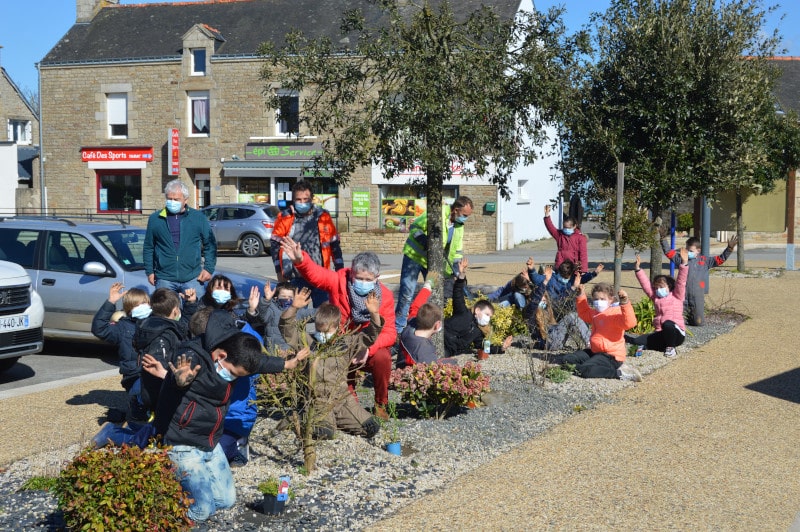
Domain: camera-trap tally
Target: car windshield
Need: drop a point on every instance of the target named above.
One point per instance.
(126, 245)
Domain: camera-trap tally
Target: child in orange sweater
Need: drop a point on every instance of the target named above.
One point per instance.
(605, 357)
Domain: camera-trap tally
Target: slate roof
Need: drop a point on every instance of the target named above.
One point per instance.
(787, 88)
(155, 31)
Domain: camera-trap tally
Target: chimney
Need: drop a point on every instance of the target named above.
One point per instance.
(87, 9)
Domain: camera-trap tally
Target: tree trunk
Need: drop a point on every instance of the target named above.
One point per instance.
(309, 444)
(656, 253)
(433, 193)
(739, 232)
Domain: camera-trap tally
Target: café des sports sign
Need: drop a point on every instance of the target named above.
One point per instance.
(283, 151)
(106, 154)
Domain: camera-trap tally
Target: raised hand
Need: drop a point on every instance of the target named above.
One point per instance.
(462, 268)
(548, 273)
(732, 241)
(638, 263)
(292, 249)
(684, 256)
(302, 298)
(623, 296)
(153, 366)
(547, 210)
(530, 263)
(599, 268)
(255, 297)
(372, 303)
(183, 371)
(268, 291)
(115, 293)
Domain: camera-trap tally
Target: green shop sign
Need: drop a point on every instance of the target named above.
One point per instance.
(283, 151)
(360, 203)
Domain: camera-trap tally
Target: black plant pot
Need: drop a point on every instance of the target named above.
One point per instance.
(272, 505)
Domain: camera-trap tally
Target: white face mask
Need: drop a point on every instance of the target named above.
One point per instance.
(483, 319)
(323, 337)
(600, 305)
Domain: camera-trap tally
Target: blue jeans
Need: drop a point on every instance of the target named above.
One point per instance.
(207, 477)
(409, 273)
(514, 298)
(180, 287)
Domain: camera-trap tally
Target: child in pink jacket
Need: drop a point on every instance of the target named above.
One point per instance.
(667, 295)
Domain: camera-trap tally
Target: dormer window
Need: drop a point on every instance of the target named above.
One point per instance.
(198, 62)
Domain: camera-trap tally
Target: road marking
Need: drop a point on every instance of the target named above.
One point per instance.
(389, 276)
(44, 386)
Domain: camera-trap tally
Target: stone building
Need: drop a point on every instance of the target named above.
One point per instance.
(136, 95)
(19, 148)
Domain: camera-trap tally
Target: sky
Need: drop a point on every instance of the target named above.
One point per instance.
(29, 29)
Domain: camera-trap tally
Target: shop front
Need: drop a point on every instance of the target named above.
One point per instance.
(269, 169)
(118, 176)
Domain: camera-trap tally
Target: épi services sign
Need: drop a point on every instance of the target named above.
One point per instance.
(299, 151)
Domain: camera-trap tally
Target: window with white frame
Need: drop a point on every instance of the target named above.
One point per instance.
(117, 114)
(19, 131)
(199, 113)
(287, 118)
(522, 191)
(198, 62)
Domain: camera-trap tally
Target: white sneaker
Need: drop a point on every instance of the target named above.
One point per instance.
(626, 372)
(670, 352)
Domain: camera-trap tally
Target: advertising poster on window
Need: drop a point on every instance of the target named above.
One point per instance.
(329, 202)
(400, 213)
(245, 197)
(361, 203)
(103, 199)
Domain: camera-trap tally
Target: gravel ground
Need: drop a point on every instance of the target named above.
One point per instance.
(357, 482)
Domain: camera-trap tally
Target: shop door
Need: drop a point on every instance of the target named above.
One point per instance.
(202, 183)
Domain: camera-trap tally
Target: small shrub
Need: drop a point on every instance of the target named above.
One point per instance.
(123, 488)
(270, 487)
(39, 484)
(685, 222)
(506, 321)
(645, 311)
(560, 374)
(434, 389)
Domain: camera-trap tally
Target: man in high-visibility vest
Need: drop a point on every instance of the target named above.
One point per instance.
(415, 253)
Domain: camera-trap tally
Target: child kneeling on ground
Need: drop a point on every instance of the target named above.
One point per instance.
(341, 352)
(605, 357)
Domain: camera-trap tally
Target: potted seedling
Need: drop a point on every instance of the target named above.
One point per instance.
(393, 438)
(276, 492)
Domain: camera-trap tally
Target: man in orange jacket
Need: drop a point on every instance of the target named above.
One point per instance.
(313, 228)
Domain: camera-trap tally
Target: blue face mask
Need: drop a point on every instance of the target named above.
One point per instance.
(543, 305)
(363, 288)
(283, 304)
(174, 206)
(564, 280)
(223, 372)
(662, 292)
(567, 231)
(302, 208)
(323, 337)
(461, 219)
(692, 254)
(221, 296)
(142, 311)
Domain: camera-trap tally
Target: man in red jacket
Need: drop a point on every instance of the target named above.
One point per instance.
(348, 289)
(570, 241)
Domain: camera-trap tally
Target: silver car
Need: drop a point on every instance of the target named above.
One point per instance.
(244, 227)
(72, 266)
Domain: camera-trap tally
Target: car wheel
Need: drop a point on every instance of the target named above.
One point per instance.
(251, 246)
(7, 363)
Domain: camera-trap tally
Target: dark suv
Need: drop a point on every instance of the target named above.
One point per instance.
(72, 265)
(244, 227)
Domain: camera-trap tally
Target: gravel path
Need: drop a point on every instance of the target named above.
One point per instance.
(687, 445)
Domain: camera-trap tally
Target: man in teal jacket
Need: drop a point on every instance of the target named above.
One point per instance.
(415, 254)
(177, 240)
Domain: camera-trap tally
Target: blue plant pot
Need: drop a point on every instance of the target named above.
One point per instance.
(394, 448)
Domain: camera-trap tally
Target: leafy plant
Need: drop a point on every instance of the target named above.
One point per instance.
(271, 485)
(645, 311)
(125, 488)
(506, 321)
(393, 423)
(559, 374)
(435, 389)
(685, 221)
(39, 484)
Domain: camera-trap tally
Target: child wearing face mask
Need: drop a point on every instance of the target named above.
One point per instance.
(571, 243)
(336, 353)
(697, 278)
(667, 295)
(135, 306)
(467, 328)
(605, 357)
(269, 310)
(424, 320)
